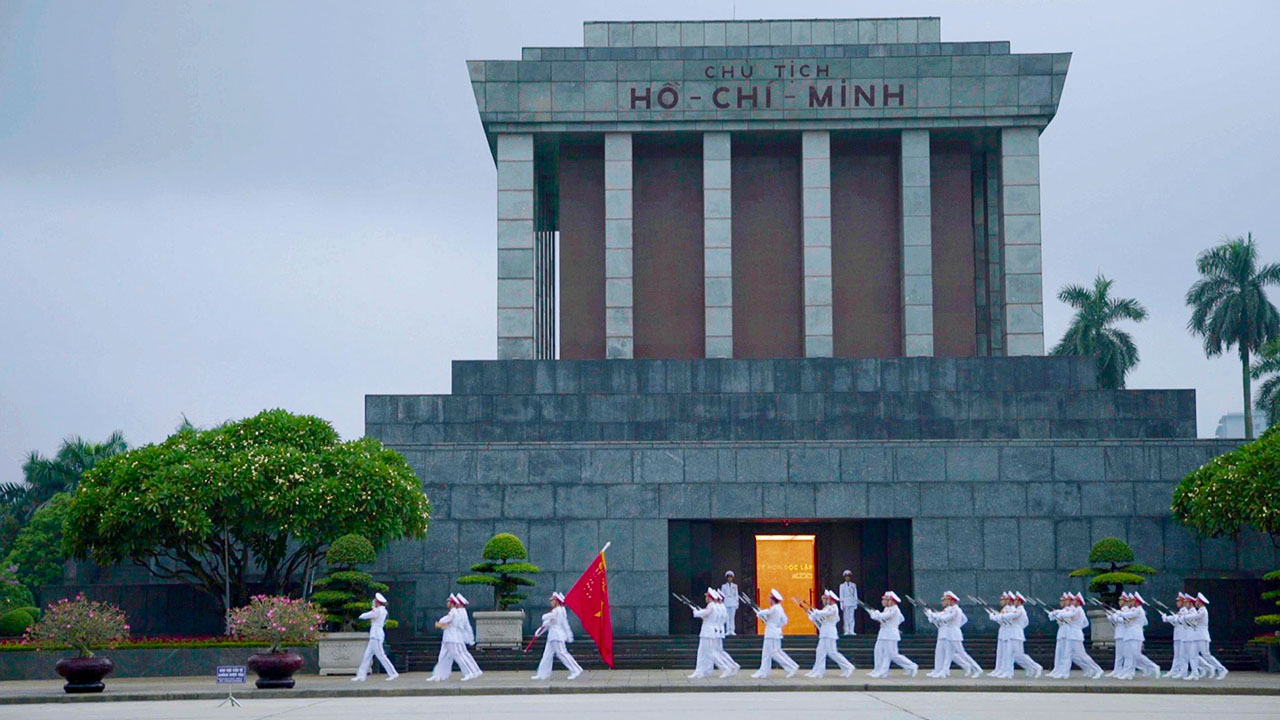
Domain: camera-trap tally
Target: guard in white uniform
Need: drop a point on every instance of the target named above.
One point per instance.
(555, 625)
(827, 618)
(886, 650)
(377, 618)
(729, 591)
(1181, 666)
(1129, 620)
(712, 628)
(1198, 621)
(452, 645)
(774, 618)
(950, 647)
(1072, 621)
(471, 669)
(720, 657)
(848, 602)
(1017, 641)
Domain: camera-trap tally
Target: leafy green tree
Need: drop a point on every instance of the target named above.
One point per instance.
(1234, 491)
(505, 560)
(262, 497)
(1268, 366)
(1229, 306)
(345, 590)
(1111, 568)
(13, 594)
(37, 553)
(45, 477)
(1092, 330)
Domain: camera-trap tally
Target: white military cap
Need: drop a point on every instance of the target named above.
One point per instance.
(1066, 595)
(892, 596)
(1019, 596)
(380, 598)
(953, 596)
(828, 593)
(1201, 598)
(728, 573)
(1124, 596)
(463, 600)
(775, 595)
(847, 572)
(1006, 594)
(712, 592)
(1080, 598)
(453, 598)
(558, 596)
(1135, 595)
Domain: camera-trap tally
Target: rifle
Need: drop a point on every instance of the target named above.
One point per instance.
(1162, 605)
(1096, 601)
(685, 601)
(747, 599)
(980, 601)
(917, 603)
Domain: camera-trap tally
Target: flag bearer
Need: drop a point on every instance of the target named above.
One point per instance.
(827, 618)
(377, 618)
(729, 590)
(555, 624)
(887, 639)
(774, 618)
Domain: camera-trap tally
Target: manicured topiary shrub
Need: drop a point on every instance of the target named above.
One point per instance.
(13, 594)
(346, 591)
(1270, 621)
(15, 622)
(1112, 568)
(504, 562)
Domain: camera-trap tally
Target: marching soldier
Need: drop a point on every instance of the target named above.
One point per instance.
(826, 618)
(950, 647)
(706, 636)
(774, 618)
(453, 645)
(849, 602)
(886, 650)
(1198, 621)
(1183, 664)
(721, 658)
(555, 623)
(471, 668)
(729, 590)
(1129, 620)
(1017, 642)
(1071, 621)
(377, 618)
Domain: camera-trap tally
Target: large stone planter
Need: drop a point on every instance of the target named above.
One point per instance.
(499, 628)
(84, 674)
(341, 652)
(1101, 632)
(275, 670)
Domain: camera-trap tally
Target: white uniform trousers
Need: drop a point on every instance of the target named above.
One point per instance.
(721, 659)
(848, 618)
(554, 650)
(1004, 661)
(706, 658)
(372, 650)
(772, 652)
(450, 653)
(1018, 656)
(1201, 661)
(1178, 668)
(827, 649)
(1072, 651)
(886, 652)
(470, 668)
(949, 651)
(730, 620)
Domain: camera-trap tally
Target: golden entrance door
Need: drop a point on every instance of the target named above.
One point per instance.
(785, 563)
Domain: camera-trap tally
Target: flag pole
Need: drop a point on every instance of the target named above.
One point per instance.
(606, 547)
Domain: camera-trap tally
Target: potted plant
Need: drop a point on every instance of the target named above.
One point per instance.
(84, 626)
(1111, 568)
(505, 561)
(1270, 642)
(344, 593)
(277, 622)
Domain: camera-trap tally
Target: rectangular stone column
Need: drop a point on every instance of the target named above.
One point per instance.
(717, 212)
(1020, 215)
(515, 246)
(618, 313)
(816, 160)
(917, 245)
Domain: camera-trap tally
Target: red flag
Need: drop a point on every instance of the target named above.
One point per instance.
(589, 600)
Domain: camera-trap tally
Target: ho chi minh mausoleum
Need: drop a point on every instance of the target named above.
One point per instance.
(769, 299)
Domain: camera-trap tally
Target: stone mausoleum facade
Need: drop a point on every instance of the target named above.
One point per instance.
(769, 281)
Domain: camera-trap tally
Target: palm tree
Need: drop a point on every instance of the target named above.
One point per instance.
(1230, 307)
(1091, 331)
(1268, 364)
(48, 476)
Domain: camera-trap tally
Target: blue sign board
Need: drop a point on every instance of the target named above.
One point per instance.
(231, 674)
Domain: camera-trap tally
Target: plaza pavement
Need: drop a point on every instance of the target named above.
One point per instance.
(28, 693)
(865, 705)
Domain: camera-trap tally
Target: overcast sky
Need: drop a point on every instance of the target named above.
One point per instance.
(214, 208)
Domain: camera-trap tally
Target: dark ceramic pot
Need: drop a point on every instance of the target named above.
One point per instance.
(275, 670)
(84, 675)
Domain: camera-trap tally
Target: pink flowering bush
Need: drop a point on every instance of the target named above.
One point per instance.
(80, 624)
(276, 621)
